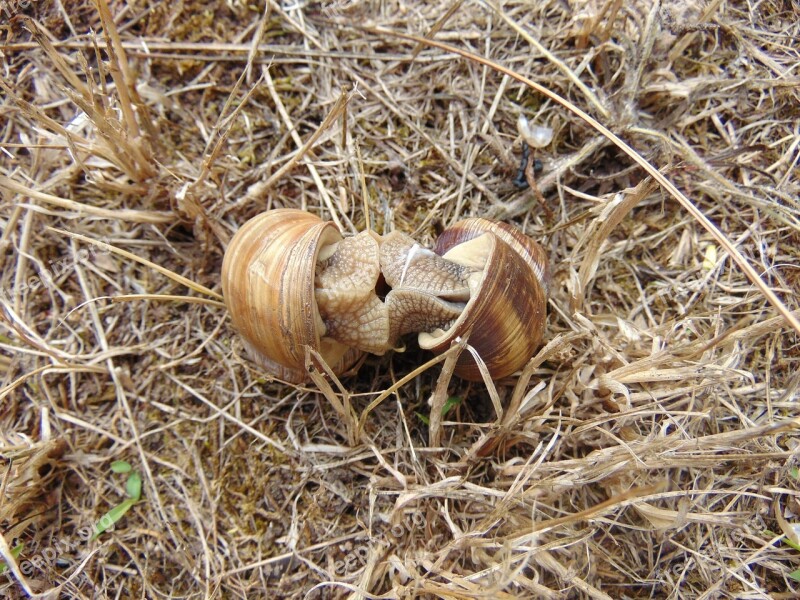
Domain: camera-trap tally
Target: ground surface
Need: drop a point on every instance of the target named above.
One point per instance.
(650, 449)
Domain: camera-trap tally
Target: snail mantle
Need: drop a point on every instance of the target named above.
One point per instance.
(291, 280)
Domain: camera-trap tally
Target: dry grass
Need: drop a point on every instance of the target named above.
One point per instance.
(649, 451)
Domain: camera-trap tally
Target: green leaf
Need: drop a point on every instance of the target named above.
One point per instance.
(15, 552)
(449, 404)
(112, 516)
(121, 466)
(795, 472)
(795, 575)
(771, 533)
(134, 485)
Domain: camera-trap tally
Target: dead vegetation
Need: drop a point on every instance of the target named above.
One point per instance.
(648, 451)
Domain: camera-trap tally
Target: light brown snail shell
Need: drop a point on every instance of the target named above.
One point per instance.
(505, 315)
(268, 275)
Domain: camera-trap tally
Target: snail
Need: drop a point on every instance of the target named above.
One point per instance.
(291, 281)
(505, 315)
(269, 273)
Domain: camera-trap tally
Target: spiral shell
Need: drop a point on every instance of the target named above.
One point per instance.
(268, 275)
(505, 315)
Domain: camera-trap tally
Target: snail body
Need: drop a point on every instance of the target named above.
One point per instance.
(291, 281)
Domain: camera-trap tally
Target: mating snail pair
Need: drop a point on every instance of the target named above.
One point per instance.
(291, 280)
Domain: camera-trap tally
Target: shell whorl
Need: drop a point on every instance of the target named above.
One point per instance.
(505, 317)
(271, 259)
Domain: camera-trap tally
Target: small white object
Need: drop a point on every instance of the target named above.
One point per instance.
(416, 250)
(535, 135)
